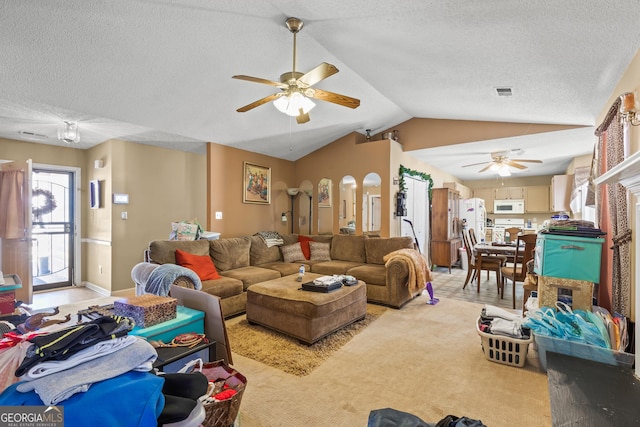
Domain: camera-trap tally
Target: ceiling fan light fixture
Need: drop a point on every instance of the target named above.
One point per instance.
(494, 167)
(69, 132)
(504, 171)
(291, 104)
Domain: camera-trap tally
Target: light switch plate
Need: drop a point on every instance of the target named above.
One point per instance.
(120, 199)
(218, 215)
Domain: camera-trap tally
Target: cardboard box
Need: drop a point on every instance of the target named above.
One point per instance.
(147, 310)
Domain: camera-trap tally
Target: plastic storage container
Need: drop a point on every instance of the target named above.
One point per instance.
(505, 350)
(582, 351)
(187, 320)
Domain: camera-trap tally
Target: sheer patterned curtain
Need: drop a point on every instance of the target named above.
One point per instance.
(12, 193)
(611, 152)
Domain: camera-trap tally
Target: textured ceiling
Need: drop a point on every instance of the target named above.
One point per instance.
(159, 72)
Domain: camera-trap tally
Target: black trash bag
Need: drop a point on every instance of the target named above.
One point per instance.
(388, 417)
(453, 421)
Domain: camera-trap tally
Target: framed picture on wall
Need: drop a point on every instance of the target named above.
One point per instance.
(324, 193)
(257, 184)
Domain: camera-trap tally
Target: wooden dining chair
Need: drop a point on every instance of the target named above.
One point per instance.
(489, 263)
(518, 271)
(512, 232)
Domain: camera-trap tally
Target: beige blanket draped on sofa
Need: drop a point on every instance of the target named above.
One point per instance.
(419, 273)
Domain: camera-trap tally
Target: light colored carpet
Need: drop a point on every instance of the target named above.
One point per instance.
(258, 343)
(422, 359)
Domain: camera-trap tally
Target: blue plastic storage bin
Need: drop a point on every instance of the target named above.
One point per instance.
(582, 351)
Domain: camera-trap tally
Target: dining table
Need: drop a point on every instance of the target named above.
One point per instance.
(508, 249)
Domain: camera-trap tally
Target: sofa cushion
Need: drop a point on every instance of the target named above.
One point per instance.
(333, 267)
(371, 274)
(376, 248)
(251, 275)
(202, 265)
(224, 287)
(231, 253)
(348, 248)
(320, 251)
(292, 253)
(261, 254)
(164, 251)
(285, 268)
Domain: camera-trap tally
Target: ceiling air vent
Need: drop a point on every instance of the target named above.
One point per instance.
(504, 91)
(32, 135)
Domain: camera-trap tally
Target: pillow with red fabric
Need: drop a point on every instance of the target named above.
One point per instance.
(202, 265)
(304, 244)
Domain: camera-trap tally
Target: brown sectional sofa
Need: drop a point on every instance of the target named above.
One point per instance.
(244, 261)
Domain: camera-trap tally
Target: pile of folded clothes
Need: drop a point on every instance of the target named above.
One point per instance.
(498, 321)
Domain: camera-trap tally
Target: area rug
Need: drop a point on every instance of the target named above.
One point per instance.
(287, 354)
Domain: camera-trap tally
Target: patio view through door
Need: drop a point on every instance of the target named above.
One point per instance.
(53, 228)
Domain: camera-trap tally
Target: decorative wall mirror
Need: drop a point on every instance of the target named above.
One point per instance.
(325, 205)
(371, 204)
(305, 207)
(347, 214)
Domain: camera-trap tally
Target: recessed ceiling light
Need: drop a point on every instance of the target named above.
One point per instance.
(32, 135)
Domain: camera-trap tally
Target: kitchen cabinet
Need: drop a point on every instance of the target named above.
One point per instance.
(445, 223)
(536, 198)
(504, 193)
(561, 186)
(486, 194)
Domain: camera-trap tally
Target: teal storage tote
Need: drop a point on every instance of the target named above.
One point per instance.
(582, 351)
(568, 257)
(187, 320)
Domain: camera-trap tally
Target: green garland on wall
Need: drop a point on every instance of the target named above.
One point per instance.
(406, 171)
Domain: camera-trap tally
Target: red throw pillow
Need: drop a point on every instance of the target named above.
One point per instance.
(304, 244)
(202, 265)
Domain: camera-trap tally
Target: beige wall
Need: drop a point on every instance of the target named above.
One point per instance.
(225, 179)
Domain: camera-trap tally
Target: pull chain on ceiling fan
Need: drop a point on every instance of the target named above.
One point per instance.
(297, 91)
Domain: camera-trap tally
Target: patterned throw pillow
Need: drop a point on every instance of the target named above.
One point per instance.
(320, 251)
(292, 253)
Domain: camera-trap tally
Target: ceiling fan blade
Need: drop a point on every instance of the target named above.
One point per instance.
(336, 98)
(258, 103)
(319, 73)
(513, 163)
(485, 168)
(302, 117)
(474, 164)
(259, 80)
(526, 160)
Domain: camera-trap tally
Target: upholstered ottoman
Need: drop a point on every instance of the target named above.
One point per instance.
(281, 305)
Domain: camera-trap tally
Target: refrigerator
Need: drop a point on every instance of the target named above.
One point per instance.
(474, 215)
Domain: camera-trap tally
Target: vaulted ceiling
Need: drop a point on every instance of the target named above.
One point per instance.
(159, 72)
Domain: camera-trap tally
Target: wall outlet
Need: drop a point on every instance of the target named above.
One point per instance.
(218, 215)
(123, 215)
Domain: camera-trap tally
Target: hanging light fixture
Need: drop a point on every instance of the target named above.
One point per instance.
(504, 171)
(69, 132)
(293, 103)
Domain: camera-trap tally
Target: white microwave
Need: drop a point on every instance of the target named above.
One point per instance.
(509, 206)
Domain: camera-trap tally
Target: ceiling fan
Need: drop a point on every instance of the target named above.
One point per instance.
(500, 162)
(296, 87)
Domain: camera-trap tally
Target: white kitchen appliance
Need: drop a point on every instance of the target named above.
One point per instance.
(501, 224)
(508, 206)
(474, 215)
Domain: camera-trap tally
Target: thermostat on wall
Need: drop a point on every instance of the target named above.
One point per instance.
(120, 199)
